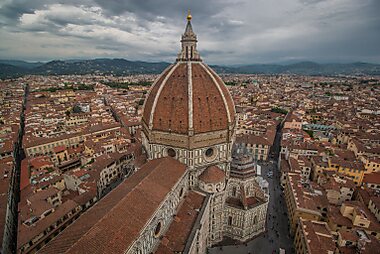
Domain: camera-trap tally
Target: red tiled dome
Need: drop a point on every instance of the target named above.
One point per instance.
(212, 174)
(188, 96)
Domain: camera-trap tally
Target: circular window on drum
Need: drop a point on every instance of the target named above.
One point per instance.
(210, 154)
(171, 152)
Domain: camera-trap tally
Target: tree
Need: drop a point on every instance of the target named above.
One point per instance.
(279, 110)
(310, 132)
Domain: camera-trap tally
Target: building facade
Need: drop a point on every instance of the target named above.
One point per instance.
(246, 203)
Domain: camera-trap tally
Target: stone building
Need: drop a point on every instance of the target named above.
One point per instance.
(246, 204)
(182, 199)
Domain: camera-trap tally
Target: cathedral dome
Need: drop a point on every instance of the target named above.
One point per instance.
(188, 97)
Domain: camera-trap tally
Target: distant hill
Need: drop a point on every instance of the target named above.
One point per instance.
(10, 71)
(10, 68)
(305, 68)
(108, 66)
(21, 64)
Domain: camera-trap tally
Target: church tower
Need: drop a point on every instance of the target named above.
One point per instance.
(189, 115)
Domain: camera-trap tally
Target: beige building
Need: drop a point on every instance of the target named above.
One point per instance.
(304, 200)
(258, 146)
(353, 214)
(339, 188)
(372, 180)
(105, 170)
(353, 169)
(319, 166)
(371, 164)
(313, 237)
(46, 146)
(356, 241)
(362, 149)
(42, 216)
(374, 206)
(292, 122)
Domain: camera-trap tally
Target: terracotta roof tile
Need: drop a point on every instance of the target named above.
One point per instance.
(211, 101)
(212, 174)
(117, 219)
(179, 231)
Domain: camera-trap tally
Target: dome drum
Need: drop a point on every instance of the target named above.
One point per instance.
(185, 141)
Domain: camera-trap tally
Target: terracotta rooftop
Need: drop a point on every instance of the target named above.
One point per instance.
(318, 237)
(59, 149)
(27, 233)
(308, 195)
(168, 102)
(175, 239)
(117, 219)
(372, 178)
(212, 174)
(244, 203)
(253, 139)
(348, 235)
(334, 215)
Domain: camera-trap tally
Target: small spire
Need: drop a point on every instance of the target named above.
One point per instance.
(189, 43)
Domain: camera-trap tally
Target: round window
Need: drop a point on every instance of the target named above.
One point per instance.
(171, 152)
(157, 230)
(209, 152)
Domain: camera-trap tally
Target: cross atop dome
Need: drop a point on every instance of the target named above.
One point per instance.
(189, 15)
(189, 43)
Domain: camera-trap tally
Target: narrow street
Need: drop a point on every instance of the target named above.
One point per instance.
(9, 244)
(277, 234)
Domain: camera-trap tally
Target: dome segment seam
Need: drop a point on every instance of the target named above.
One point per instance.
(190, 96)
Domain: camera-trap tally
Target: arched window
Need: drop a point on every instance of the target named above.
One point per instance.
(229, 222)
(234, 191)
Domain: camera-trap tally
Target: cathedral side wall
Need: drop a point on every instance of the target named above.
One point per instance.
(200, 242)
(161, 220)
(216, 217)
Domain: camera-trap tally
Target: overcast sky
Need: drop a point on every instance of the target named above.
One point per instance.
(229, 32)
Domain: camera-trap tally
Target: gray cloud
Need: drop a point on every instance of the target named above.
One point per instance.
(229, 32)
